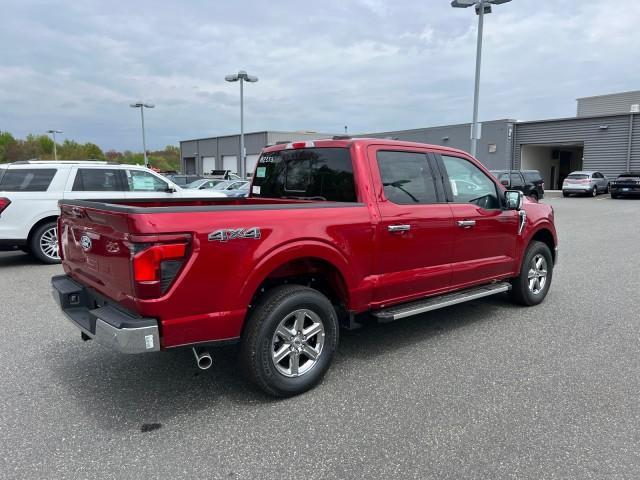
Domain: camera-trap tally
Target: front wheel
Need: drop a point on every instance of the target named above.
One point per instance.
(531, 286)
(44, 243)
(594, 192)
(289, 340)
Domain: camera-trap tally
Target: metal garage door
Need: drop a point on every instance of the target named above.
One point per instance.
(208, 164)
(252, 160)
(230, 162)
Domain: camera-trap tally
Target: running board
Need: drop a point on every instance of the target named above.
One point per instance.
(434, 303)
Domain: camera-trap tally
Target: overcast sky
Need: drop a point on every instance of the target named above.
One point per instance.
(373, 65)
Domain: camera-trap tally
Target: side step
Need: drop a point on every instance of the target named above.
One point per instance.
(434, 303)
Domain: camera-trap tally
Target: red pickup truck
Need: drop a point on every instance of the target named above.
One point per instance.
(334, 231)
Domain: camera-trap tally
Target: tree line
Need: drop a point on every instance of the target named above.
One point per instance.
(41, 147)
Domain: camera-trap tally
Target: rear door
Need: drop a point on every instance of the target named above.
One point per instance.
(95, 182)
(484, 246)
(414, 233)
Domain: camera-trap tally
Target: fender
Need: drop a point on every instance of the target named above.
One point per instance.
(293, 251)
(40, 217)
(531, 230)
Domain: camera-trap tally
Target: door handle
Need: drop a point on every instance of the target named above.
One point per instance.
(466, 223)
(399, 228)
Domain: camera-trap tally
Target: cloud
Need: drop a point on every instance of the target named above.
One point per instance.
(370, 64)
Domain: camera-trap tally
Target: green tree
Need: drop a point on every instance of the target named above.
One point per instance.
(6, 139)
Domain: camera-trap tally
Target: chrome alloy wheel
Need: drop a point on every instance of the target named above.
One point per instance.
(297, 343)
(537, 274)
(49, 243)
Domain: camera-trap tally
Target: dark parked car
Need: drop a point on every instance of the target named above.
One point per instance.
(528, 182)
(627, 184)
(183, 180)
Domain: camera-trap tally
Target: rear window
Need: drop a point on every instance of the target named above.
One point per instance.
(577, 176)
(308, 174)
(27, 179)
(532, 176)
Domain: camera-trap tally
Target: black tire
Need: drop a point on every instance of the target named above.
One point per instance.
(565, 194)
(614, 195)
(259, 340)
(38, 243)
(534, 195)
(594, 192)
(521, 292)
(606, 190)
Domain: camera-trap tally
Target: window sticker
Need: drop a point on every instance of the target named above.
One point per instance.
(143, 182)
(261, 172)
(256, 190)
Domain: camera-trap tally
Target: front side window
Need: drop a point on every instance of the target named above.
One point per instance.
(307, 174)
(516, 180)
(27, 179)
(406, 177)
(97, 180)
(469, 184)
(140, 181)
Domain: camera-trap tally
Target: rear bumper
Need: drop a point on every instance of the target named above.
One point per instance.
(105, 323)
(625, 189)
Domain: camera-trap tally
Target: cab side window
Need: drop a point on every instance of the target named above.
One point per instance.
(469, 184)
(406, 177)
(516, 181)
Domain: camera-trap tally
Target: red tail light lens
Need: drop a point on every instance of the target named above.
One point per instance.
(4, 203)
(155, 266)
(147, 263)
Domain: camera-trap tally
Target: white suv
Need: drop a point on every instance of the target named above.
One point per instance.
(30, 190)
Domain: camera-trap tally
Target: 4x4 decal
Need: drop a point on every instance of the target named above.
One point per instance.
(234, 234)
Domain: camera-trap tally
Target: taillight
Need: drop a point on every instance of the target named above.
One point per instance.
(156, 265)
(4, 203)
(542, 185)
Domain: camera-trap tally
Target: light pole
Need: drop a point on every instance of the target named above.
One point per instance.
(53, 134)
(482, 7)
(242, 76)
(142, 106)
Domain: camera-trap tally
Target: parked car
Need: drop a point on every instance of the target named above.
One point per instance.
(231, 186)
(203, 184)
(30, 191)
(529, 182)
(626, 185)
(241, 191)
(585, 183)
(224, 175)
(183, 180)
(332, 229)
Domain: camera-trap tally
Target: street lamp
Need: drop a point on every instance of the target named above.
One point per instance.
(142, 106)
(53, 134)
(242, 76)
(482, 7)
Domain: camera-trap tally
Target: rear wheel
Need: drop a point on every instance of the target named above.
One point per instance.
(565, 194)
(44, 243)
(594, 192)
(289, 340)
(606, 189)
(531, 286)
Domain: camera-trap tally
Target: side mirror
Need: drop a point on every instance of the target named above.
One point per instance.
(504, 182)
(514, 199)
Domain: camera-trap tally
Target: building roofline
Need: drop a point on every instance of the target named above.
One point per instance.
(439, 126)
(586, 117)
(303, 132)
(609, 94)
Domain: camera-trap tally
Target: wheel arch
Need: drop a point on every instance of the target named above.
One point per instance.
(49, 218)
(316, 264)
(545, 236)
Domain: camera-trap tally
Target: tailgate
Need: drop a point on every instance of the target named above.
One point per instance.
(96, 250)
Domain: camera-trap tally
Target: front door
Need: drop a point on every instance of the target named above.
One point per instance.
(484, 247)
(414, 233)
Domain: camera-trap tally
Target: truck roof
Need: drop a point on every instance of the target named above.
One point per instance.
(346, 142)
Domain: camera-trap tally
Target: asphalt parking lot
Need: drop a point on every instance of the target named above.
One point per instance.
(482, 390)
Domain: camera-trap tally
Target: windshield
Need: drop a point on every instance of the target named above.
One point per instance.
(306, 173)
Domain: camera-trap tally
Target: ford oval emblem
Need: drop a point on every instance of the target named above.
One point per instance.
(85, 242)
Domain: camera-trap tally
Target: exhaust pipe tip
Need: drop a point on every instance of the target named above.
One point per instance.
(203, 359)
